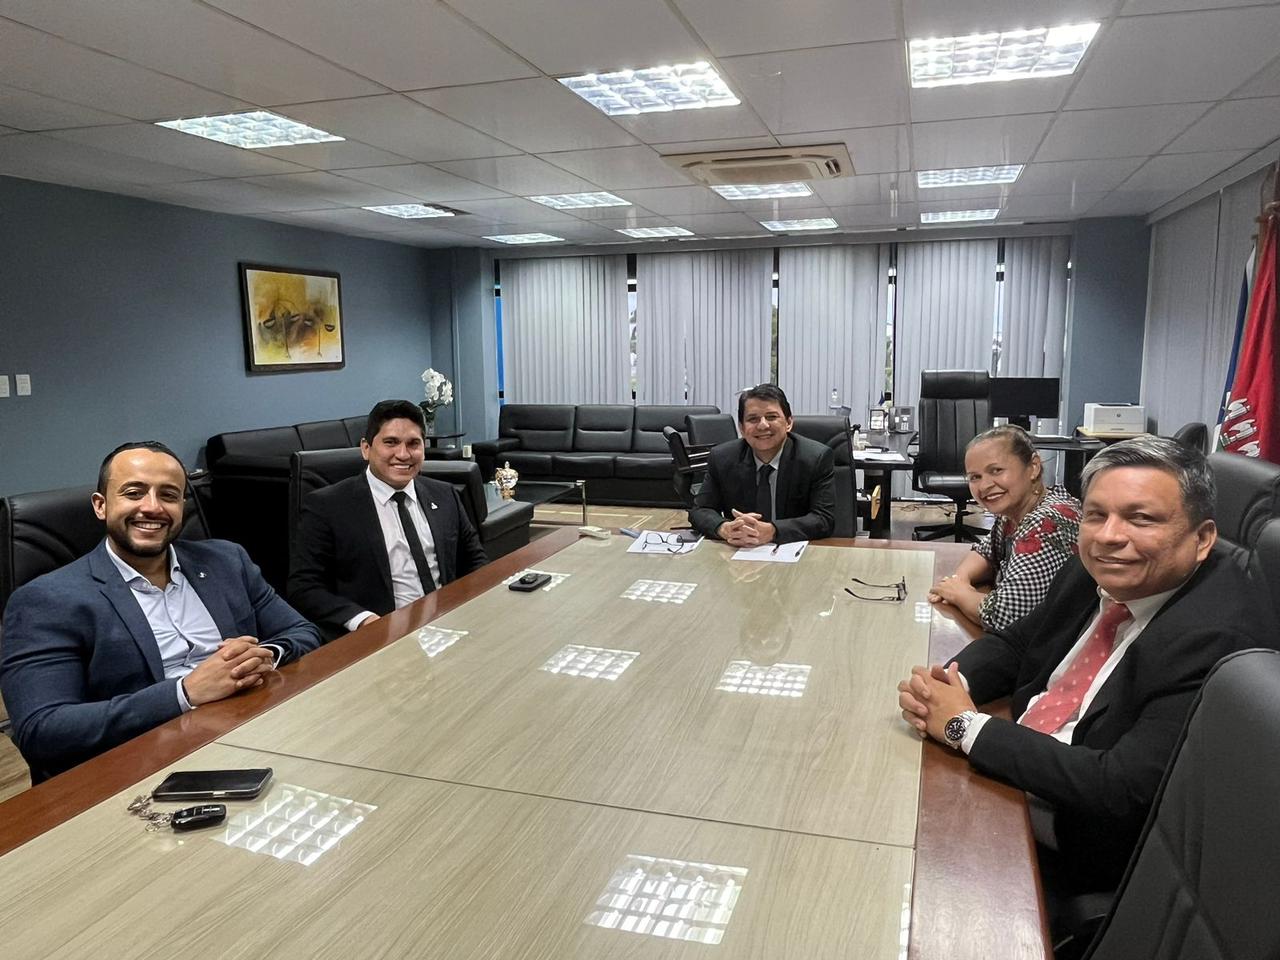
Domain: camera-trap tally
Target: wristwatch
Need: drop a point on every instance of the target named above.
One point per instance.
(957, 727)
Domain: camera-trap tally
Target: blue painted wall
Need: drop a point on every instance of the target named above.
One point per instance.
(127, 316)
(1110, 260)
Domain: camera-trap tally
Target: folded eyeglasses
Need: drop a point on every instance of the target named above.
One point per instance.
(899, 590)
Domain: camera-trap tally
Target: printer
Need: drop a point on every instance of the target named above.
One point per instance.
(1114, 418)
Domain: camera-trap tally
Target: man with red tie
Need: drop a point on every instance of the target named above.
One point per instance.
(1102, 673)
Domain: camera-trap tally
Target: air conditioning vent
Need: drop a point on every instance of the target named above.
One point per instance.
(770, 165)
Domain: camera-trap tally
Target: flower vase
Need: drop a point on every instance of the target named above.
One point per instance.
(429, 420)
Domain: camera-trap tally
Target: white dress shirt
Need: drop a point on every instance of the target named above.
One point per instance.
(406, 586)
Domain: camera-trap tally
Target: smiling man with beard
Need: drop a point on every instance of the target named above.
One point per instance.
(141, 629)
(769, 486)
(1102, 673)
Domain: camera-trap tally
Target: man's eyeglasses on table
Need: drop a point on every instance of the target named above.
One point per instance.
(899, 590)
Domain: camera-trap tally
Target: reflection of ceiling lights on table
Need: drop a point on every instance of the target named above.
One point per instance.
(594, 663)
(676, 899)
(774, 680)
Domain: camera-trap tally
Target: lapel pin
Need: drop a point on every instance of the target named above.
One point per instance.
(200, 574)
(433, 506)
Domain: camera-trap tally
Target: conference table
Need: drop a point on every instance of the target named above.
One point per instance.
(669, 756)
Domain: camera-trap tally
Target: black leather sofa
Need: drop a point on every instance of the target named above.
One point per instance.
(619, 449)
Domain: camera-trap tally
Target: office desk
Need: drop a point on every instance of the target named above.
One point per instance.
(1077, 452)
(880, 473)
(508, 798)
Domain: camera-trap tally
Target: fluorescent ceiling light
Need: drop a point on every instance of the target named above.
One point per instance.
(959, 216)
(816, 223)
(987, 57)
(526, 238)
(967, 176)
(762, 191)
(681, 86)
(648, 233)
(572, 201)
(253, 131)
(411, 211)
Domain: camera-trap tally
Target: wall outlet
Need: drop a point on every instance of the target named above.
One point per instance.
(23, 381)
(4, 385)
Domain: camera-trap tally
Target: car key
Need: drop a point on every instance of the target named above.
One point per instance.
(203, 815)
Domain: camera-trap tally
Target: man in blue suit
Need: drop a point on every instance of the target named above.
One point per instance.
(141, 629)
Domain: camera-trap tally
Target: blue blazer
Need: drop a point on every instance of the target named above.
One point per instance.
(80, 668)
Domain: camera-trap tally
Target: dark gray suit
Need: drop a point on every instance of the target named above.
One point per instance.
(339, 566)
(804, 492)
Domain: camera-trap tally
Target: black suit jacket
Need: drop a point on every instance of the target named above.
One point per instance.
(1102, 784)
(804, 495)
(338, 565)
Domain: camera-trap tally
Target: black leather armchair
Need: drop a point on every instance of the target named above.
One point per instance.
(689, 464)
(834, 432)
(710, 428)
(502, 529)
(954, 408)
(1248, 497)
(1193, 435)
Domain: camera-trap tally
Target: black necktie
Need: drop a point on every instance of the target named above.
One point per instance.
(415, 545)
(764, 497)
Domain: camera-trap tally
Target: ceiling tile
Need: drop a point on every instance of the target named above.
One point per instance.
(417, 43)
(1128, 203)
(185, 39)
(163, 145)
(516, 210)
(1234, 124)
(424, 182)
(241, 196)
(534, 115)
(679, 200)
(1124, 132)
(779, 208)
(857, 85)
(1050, 206)
(970, 143)
(678, 126)
(609, 213)
(482, 222)
(946, 18)
(863, 189)
(1074, 176)
(396, 123)
(870, 215)
(1165, 59)
(717, 146)
(755, 26)
(331, 188)
(568, 36)
(872, 149)
(525, 176)
(617, 168)
(1181, 171)
(35, 61)
(987, 194)
(634, 220)
(33, 154)
(1266, 83)
(721, 224)
(25, 110)
(335, 155)
(989, 99)
(347, 217)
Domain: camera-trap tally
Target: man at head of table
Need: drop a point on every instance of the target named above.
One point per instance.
(769, 486)
(142, 628)
(1102, 673)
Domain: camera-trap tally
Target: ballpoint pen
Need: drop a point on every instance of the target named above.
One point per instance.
(775, 548)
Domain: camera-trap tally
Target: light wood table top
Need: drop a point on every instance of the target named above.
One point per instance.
(973, 886)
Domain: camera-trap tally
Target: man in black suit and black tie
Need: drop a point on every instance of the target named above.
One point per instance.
(769, 486)
(377, 542)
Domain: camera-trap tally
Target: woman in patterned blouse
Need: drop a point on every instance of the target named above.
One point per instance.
(1034, 533)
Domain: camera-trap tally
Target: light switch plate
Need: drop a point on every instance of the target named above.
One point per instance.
(4, 385)
(23, 381)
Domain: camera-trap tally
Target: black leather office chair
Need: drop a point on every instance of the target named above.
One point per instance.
(1201, 885)
(1248, 497)
(953, 409)
(1194, 436)
(690, 465)
(708, 429)
(834, 432)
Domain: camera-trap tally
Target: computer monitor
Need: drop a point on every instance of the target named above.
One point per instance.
(1021, 398)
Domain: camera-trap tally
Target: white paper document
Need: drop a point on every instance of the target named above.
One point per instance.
(664, 542)
(891, 456)
(773, 552)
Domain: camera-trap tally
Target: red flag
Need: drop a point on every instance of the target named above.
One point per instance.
(1252, 424)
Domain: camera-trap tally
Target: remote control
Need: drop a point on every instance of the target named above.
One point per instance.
(193, 818)
(600, 533)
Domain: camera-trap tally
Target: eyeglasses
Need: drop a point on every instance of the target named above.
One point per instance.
(658, 541)
(899, 589)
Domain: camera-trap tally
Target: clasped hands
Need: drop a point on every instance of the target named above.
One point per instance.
(952, 590)
(238, 664)
(746, 530)
(931, 696)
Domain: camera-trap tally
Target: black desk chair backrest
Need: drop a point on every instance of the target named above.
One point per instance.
(1194, 436)
(40, 532)
(834, 432)
(708, 429)
(689, 465)
(954, 407)
(1201, 885)
(1248, 497)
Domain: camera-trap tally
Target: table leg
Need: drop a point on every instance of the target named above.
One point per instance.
(582, 485)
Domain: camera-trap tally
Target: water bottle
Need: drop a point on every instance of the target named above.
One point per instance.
(835, 398)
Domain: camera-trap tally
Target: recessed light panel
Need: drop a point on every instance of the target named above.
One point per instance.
(650, 233)
(959, 216)
(526, 238)
(681, 86)
(762, 191)
(988, 57)
(252, 131)
(816, 223)
(411, 211)
(573, 201)
(967, 176)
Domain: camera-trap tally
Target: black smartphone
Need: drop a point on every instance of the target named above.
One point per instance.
(530, 582)
(212, 785)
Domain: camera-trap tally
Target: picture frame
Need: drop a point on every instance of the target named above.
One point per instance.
(293, 319)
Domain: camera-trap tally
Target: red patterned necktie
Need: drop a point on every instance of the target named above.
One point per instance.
(1061, 701)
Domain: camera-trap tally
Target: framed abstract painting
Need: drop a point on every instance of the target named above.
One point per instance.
(292, 319)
